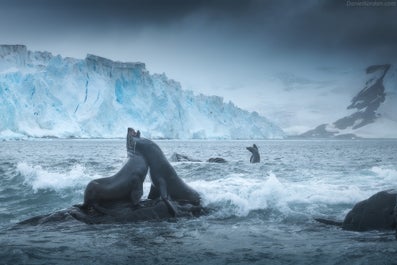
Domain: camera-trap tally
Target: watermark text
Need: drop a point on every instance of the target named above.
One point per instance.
(373, 3)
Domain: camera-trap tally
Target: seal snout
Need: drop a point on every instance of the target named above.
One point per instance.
(132, 132)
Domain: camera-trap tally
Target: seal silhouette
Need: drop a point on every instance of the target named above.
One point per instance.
(255, 157)
(166, 184)
(125, 185)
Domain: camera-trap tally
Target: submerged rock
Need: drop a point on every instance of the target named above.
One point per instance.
(175, 157)
(216, 160)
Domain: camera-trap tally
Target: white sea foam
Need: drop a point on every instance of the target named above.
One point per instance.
(239, 195)
(77, 177)
(242, 194)
(39, 178)
(387, 173)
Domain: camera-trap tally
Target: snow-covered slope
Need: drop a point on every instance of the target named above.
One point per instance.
(373, 111)
(42, 95)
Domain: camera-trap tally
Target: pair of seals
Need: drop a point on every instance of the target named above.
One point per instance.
(166, 183)
(255, 157)
(125, 185)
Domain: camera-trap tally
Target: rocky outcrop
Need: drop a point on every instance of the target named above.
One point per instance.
(374, 213)
(365, 104)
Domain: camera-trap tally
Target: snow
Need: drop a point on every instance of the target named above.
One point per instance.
(383, 124)
(42, 95)
(331, 128)
(382, 128)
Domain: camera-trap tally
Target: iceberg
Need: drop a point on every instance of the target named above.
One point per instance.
(42, 95)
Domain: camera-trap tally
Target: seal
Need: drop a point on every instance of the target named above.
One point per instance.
(255, 157)
(166, 184)
(125, 185)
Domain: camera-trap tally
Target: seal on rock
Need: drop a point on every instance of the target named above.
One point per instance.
(125, 185)
(166, 184)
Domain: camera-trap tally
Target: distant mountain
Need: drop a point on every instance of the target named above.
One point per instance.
(42, 95)
(374, 112)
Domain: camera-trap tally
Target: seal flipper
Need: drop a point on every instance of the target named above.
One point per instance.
(329, 222)
(164, 196)
(171, 208)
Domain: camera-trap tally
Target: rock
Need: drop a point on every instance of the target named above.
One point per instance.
(375, 213)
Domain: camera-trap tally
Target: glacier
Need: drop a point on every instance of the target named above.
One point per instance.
(42, 95)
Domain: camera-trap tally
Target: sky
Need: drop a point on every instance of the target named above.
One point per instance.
(298, 63)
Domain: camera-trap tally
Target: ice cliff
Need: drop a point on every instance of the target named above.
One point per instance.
(42, 95)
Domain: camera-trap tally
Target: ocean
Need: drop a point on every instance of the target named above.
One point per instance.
(260, 213)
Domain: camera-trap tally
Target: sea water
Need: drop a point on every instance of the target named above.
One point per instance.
(259, 213)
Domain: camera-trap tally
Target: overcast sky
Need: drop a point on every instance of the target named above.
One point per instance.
(292, 61)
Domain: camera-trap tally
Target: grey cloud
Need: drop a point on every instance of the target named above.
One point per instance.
(332, 26)
(292, 81)
(307, 27)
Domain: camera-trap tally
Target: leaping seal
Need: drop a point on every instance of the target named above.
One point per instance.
(166, 184)
(125, 185)
(255, 157)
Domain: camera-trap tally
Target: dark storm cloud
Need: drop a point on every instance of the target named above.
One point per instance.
(334, 25)
(298, 27)
(123, 12)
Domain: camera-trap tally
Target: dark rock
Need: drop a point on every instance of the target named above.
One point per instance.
(216, 160)
(118, 212)
(374, 213)
(175, 157)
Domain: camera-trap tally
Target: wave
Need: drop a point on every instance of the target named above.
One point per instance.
(239, 195)
(387, 173)
(39, 178)
(76, 178)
